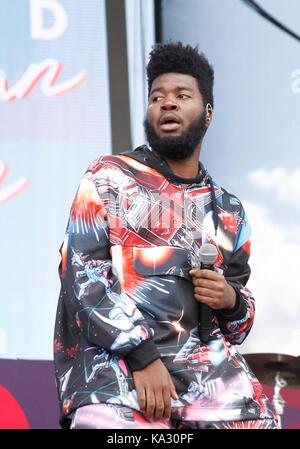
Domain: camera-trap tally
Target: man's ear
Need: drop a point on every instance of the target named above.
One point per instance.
(209, 112)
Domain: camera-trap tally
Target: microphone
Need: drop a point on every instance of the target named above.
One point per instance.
(208, 254)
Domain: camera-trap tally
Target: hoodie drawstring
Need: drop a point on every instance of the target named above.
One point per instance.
(214, 204)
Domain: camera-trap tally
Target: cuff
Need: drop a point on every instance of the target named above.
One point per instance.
(142, 355)
(238, 312)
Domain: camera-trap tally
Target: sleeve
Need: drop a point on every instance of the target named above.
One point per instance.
(236, 323)
(105, 315)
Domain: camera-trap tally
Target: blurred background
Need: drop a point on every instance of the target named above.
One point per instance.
(73, 87)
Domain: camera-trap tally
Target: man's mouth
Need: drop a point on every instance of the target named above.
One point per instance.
(169, 122)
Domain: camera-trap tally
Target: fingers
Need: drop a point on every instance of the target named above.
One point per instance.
(141, 394)
(200, 282)
(210, 297)
(204, 274)
(150, 403)
(154, 388)
(174, 395)
(206, 300)
(209, 287)
(159, 404)
(214, 295)
(163, 400)
(207, 279)
(167, 403)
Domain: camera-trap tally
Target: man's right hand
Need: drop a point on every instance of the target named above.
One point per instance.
(154, 387)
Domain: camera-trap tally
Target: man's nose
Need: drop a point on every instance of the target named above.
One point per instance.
(169, 105)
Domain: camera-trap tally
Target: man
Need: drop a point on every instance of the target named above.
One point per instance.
(128, 352)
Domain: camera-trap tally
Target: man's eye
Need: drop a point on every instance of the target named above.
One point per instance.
(183, 96)
(158, 98)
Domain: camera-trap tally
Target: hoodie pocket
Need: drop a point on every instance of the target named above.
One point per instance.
(162, 260)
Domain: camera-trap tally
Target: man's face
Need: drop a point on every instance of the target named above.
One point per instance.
(175, 121)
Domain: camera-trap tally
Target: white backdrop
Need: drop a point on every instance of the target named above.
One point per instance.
(252, 147)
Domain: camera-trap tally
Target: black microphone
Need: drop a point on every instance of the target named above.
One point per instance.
(208, 254)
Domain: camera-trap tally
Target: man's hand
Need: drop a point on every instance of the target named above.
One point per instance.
(155, 388)
(211, 288)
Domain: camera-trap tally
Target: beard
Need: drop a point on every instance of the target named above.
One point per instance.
(177, 148)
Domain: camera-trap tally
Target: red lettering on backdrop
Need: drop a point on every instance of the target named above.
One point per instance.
(47, 72)
(8, 193)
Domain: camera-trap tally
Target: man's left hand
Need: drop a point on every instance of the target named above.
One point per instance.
(211, 288)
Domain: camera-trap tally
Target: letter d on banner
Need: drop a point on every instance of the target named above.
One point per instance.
(38, 30)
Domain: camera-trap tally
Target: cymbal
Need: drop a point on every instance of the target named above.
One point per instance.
(266, 366)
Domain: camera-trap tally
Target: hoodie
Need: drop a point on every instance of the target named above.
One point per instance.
(127, 298)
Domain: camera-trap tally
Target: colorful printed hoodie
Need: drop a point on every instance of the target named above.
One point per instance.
(127, 298)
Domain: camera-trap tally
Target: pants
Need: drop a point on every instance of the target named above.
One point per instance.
(108, 416)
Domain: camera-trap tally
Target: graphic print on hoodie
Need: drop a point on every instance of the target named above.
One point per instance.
(127, 297)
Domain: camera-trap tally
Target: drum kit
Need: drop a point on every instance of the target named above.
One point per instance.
(278, 370)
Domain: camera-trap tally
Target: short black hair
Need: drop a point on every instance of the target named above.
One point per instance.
(179, 58)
